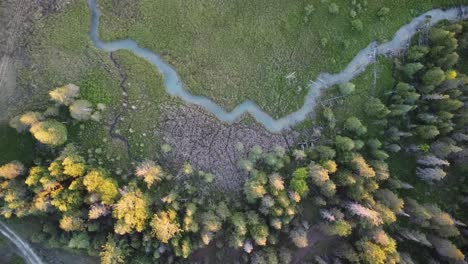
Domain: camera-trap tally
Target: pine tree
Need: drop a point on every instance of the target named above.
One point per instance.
(364, 212)
(299, 237)
(149, 172)
(430, 174)
(97, 181)
(375, 108)
(30, 118)
(431, 160)
(370, 253)
(433, 77)
(390, 199)
(427, 131)
(298, 182)
(447, 249)
(354, 125)
(276, 182)
(444, 147)
(344, 143)
(114, 251)
(318, 174)
(211, 222)
(71, 223)
(359, 164)
(412, 68)
(337, 228)
(346, 88)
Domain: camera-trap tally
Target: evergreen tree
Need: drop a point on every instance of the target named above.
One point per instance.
(354, 125)
(298, 182)
(299, 237)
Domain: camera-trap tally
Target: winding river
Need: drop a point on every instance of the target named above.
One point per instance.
(174, 85)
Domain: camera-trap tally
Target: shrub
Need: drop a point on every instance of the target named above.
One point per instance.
(346, 88)
(81, 110)
(333, 9)
(357, 25)
(49, 132)
(383, 11)
(65, 94)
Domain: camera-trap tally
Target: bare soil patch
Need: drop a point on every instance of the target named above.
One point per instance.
(210, 145)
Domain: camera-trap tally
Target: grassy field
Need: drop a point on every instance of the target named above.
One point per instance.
(237, 50)
(146, 97)
(15, 146)
(210, 43)
(62, 53)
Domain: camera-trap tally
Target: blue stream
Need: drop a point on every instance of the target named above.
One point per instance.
(174, 85)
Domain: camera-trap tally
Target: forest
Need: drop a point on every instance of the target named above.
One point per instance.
(390, 187)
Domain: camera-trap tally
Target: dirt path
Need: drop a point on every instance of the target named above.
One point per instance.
(23, 247)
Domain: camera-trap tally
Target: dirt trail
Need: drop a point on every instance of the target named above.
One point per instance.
(26, 251)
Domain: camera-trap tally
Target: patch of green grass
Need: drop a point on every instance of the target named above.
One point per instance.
(146, 98)
(96, 86)
(95, 142)
(237, 50)
(15, 146)
(61, 52)
(16, 260)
